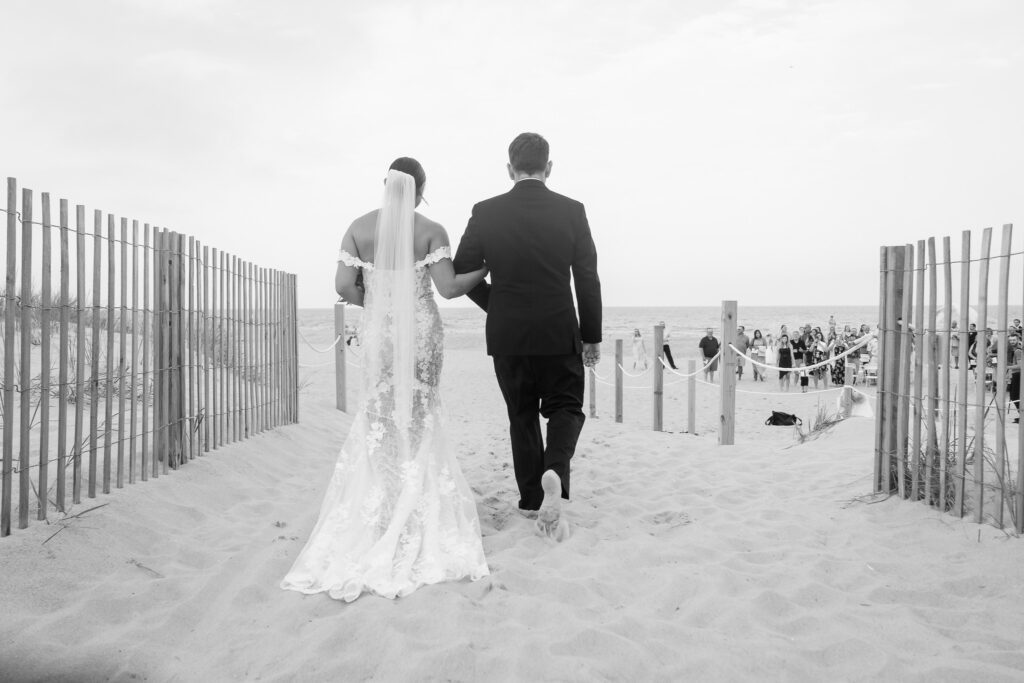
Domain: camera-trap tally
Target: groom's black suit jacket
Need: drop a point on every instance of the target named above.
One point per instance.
(533, 239)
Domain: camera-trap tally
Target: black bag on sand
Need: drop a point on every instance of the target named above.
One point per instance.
(783, 420)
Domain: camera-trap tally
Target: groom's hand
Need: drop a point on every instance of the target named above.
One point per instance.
(591, 354)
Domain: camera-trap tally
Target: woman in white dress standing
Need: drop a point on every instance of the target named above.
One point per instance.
(398, 514)
(639, 351)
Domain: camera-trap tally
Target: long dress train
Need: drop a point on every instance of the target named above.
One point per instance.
(398, 513)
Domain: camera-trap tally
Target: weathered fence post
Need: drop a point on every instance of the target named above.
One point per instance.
(94, 378)
(76, 463)
(62, 371)
(917, 387)
(44, 364)
(931, 347)
(999, 379)
(906, 346)
(8, 385)
(691, 396)
(980, 397)
(894, 260)
(24, 392)
(962, 398)
(945, 354)
(880, 395)
(727, 410)
(659, 377)
(340, 394)
(618, 380)
(175, 455)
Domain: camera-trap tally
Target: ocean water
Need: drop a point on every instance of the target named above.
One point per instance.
(687, 324)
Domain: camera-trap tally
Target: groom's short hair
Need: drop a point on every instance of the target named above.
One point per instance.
(528, 153)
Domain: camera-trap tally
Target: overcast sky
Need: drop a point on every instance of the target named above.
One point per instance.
(757, 150)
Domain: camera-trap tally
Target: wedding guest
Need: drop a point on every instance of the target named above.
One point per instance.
(709, 347)
(972, 360)
(742, 345)
(867, 352)
(836, 348)
(853, 359)
(664, 345)
(1014, 357)
(784, 359)
(639, 351)
(758, 351)
(351, 334)
(819, 354)
(802, 350)
(954, 345)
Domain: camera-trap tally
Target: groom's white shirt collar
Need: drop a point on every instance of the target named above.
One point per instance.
(525, 179)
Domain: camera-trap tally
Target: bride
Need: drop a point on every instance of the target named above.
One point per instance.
(398, 513)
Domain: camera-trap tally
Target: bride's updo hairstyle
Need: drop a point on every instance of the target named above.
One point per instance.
(528, 153)
(413, 168)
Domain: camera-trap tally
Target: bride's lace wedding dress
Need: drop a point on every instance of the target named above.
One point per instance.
(398, 513)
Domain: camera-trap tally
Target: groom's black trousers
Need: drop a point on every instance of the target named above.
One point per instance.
(551, 386)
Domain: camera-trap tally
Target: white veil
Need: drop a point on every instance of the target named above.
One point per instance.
(391, 322)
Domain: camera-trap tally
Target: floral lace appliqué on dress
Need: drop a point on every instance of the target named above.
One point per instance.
(390, 523)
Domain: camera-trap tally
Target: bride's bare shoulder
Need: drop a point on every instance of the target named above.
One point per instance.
(366, 223)
(428, 227)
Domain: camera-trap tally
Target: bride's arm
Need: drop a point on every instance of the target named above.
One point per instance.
(346, 277)
(448, 284)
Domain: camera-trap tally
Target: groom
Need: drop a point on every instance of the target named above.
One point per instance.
(535, 242)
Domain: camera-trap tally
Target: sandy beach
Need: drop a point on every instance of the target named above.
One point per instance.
(767, 560)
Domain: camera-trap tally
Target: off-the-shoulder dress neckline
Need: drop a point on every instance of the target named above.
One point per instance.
(430, 259)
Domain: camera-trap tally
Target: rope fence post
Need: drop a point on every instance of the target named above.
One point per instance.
(691, 396)
(340, 393)
(727, 410)
(618, 380)
(659, 377)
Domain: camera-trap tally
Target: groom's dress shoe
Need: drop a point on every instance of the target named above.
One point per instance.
(549, 518)
(529, 514)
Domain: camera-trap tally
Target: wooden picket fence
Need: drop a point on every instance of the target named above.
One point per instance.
(942, 436)
(199, 353)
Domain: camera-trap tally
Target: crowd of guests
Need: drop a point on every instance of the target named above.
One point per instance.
(989, 356)
(814, 355)
(809, 355)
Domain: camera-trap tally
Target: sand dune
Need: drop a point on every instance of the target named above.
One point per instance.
(688, 561)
